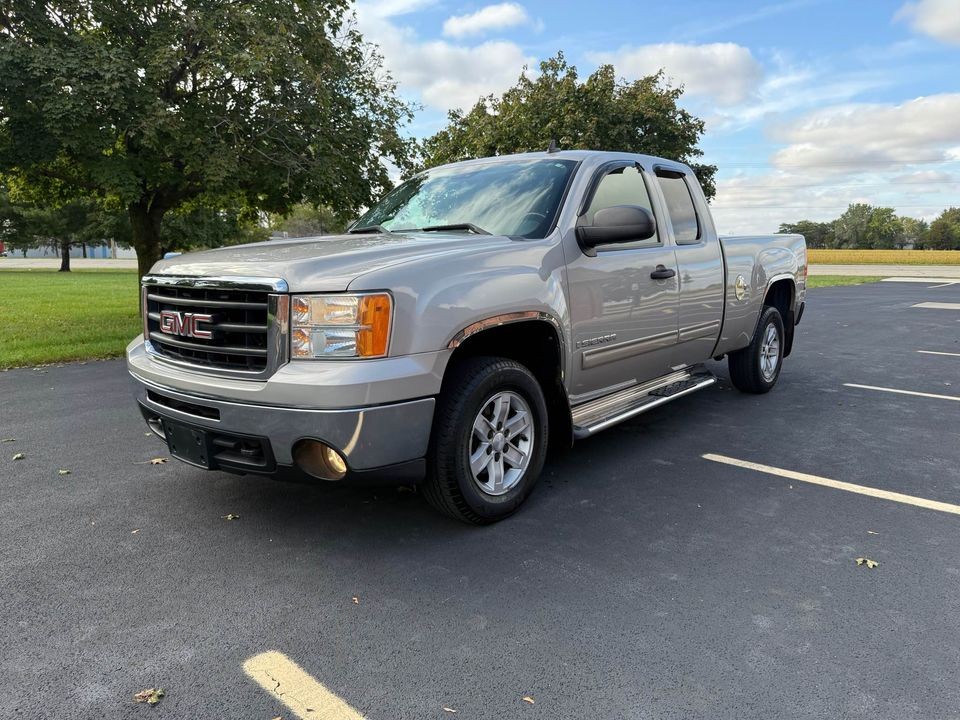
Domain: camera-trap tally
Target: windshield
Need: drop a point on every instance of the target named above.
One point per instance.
(502, 197)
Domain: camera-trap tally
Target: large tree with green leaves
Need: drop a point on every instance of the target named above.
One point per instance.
(156, 103)
(944, 232)
(602, 112)
(817, 234)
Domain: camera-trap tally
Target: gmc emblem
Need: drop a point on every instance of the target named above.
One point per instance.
(185, 324)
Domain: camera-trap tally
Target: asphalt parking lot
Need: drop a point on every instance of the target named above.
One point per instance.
(641, 580)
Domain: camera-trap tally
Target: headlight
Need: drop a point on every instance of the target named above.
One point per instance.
(340, 326)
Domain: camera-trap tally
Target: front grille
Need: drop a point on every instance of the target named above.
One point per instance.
(240, 325)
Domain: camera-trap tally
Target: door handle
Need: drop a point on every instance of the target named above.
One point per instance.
(662, 273)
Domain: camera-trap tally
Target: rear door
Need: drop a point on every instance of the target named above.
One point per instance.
(699, 263)
(624, 322)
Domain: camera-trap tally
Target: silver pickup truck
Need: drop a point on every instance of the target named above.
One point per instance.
(478, 312)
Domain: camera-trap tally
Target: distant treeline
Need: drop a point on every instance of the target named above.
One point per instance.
(866, 226)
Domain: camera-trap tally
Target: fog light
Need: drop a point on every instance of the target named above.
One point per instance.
(319, 460)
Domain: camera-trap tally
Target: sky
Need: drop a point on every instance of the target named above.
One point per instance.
(809, 104)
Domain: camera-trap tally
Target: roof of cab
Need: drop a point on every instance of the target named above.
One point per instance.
(595, 157)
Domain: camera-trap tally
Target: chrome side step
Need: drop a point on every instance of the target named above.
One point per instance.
(599, 414)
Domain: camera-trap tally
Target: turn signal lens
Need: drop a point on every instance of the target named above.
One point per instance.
(340, 326)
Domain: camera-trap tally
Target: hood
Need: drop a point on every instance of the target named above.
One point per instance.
(323, 264)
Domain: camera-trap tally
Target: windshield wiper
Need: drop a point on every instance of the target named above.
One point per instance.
(368, 229)
(455, 226)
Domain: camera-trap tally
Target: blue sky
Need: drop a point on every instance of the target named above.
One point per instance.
(810, 104)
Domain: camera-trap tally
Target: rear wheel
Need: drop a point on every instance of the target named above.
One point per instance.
(489, 440)
(755, 369)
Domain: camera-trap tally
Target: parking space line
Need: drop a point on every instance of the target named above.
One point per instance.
(947, 284)
(837, 484)
(903, 392)
(934, 352)
(945, 281)
(305, 696)
(938, 306)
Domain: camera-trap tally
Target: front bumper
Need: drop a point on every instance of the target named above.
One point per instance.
(375, 440)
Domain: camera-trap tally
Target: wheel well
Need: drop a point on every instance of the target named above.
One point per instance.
(536, 345)
(781, 295)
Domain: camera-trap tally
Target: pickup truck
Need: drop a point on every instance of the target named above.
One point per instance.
(479, 312)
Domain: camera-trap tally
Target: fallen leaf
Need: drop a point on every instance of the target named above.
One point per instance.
(61, 471)
(134, 532)
(356, 600)
(871, 532)
(8, 440)
(18, 456)
(158, 461)
(151, 696)
(868, 562)
(528, 699)
(231, 516)
(449, 710)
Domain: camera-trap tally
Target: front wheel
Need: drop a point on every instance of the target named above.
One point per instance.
(755, 369)
(489, 440)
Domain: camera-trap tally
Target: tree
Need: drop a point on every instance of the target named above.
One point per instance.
(156, 103)
(944, 233)
(884, 229)
(305, 220)
(600, 113)
(913, 232)
(817, 234)
(850, 229)
(194, 228)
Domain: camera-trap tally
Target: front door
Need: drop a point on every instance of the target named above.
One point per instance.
(623, 317)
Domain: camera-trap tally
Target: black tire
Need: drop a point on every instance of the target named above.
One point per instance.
(746, 367)
(450, 485)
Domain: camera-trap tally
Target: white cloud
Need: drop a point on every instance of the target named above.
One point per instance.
(937, 18)
(727, 73)
(491, 17)
(444, 75)
(872, 135)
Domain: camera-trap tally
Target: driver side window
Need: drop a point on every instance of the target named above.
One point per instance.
(622, 186)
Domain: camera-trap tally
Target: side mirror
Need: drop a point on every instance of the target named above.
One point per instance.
(617, 224)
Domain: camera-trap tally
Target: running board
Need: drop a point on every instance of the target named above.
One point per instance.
(599, 414)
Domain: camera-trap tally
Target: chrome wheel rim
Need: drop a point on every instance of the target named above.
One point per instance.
(501, 442)
(769, 352)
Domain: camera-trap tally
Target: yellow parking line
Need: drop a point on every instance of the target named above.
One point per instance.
(903, 392)
(837, 484)
(934, 352)
(306, 697)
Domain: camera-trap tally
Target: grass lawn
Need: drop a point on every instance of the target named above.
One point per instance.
(46, 316)
(815, 281)
(883, 257)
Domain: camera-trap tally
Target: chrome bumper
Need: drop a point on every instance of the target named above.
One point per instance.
(368, 437)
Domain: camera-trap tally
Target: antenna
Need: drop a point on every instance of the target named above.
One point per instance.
(553, 147)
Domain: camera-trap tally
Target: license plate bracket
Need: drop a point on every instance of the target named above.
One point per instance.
(189, 444)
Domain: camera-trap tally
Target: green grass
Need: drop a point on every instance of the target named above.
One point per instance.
(46, 316)
(815, 281)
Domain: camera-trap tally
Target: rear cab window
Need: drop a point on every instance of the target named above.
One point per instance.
(680, 207)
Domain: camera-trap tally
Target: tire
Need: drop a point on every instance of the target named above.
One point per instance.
(498, 489)
(750, 369)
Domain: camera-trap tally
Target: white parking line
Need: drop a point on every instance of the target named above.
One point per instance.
(903, 392)
(946, 284)
(837, 484)
(306, 697)
(934, 352)
(945, 281)
(938, 306)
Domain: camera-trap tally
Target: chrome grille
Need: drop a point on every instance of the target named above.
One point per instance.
(247, 323)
